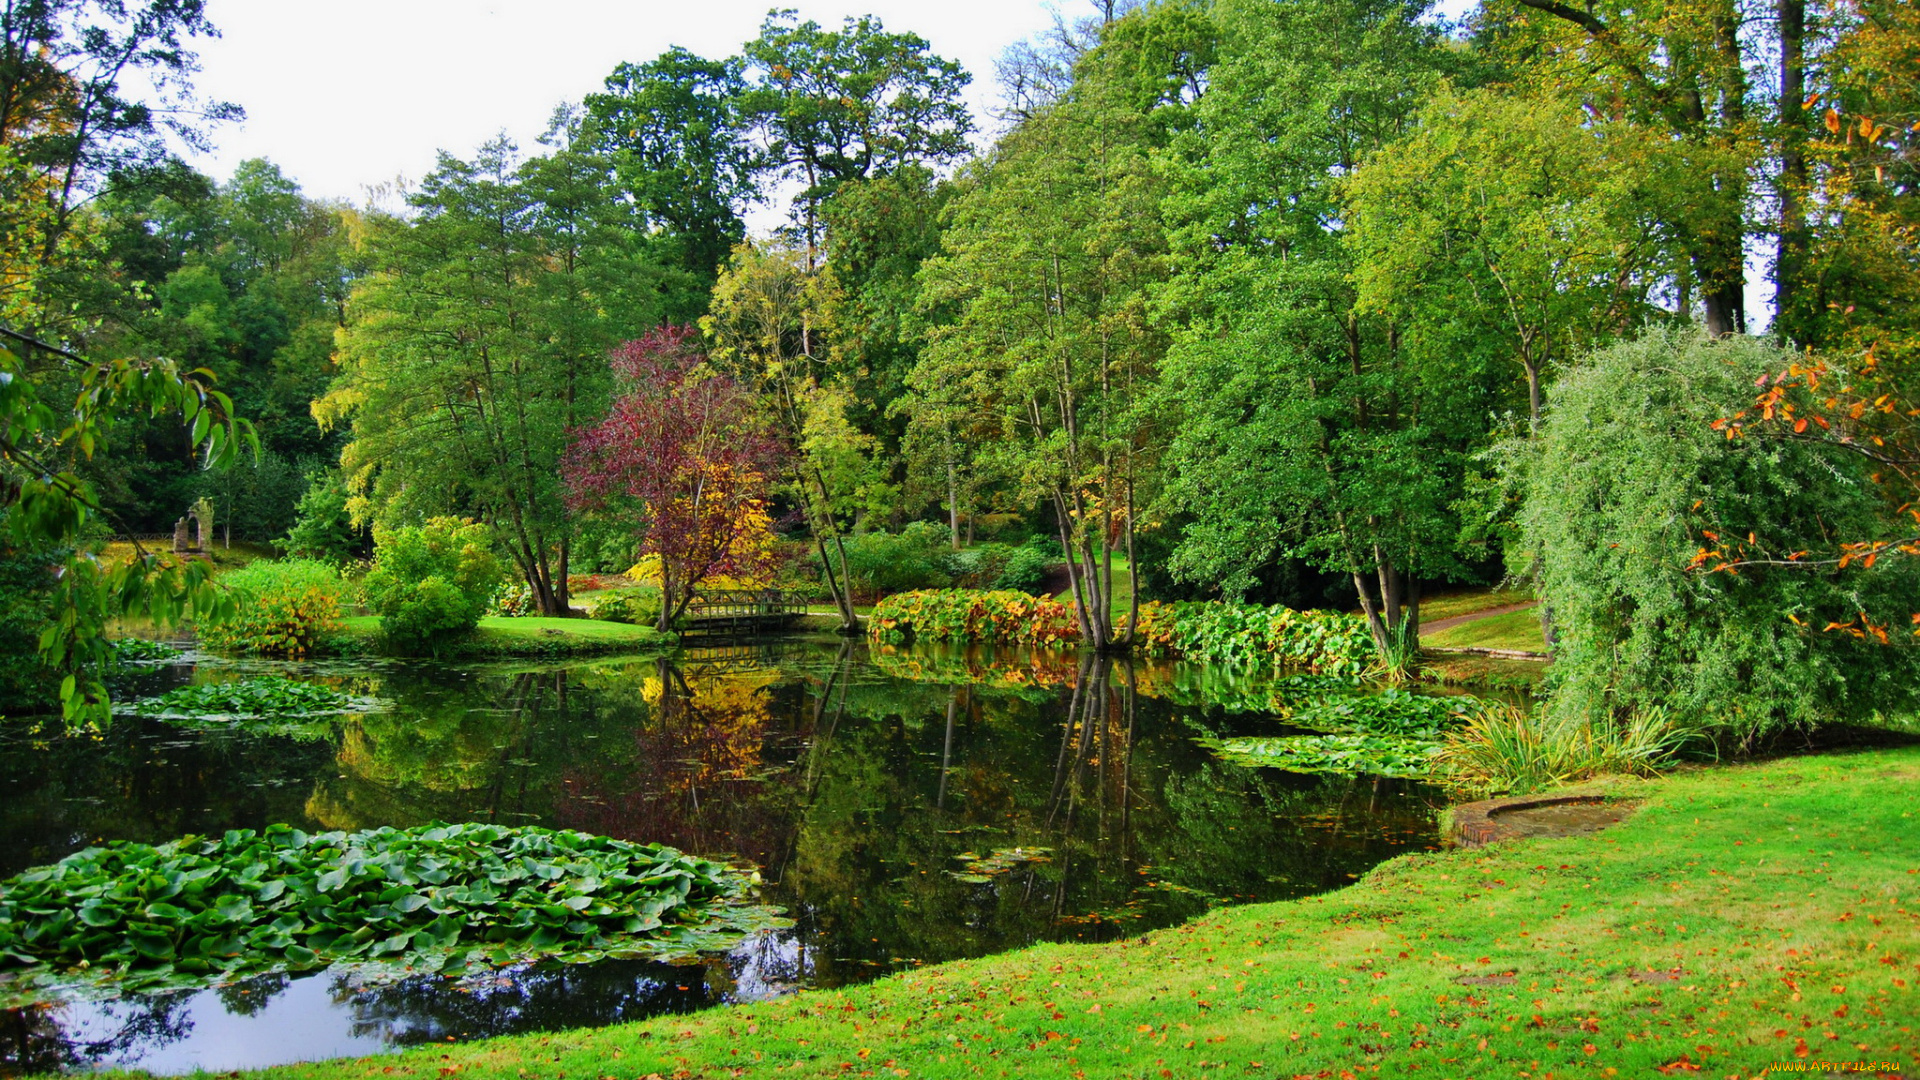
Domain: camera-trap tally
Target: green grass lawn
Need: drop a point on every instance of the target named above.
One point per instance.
(1122, 599)
(1744, 916)
(535, 635)
(1514, 630)
(1449, 605)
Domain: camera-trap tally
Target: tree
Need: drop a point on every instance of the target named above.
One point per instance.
(837, 106)
(1051, 247)
(676, 134)
(684, 455)
(66, 113)
(476, 347)
(1632, 471)
(50, 509)
(1303, 428)
(1682, 70)
(1516, 210)
(774, 328)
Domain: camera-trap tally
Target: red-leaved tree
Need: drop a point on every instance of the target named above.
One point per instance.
(685, 456)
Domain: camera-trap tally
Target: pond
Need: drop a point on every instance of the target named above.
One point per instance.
(905, 806)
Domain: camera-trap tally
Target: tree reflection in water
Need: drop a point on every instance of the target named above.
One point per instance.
(905, 806)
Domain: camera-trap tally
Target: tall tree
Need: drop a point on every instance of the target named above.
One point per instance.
(774, 327)
(477, 344)
(1683, 68)
(1051, 246)
(677, 135)
(1305, 429)
(70, 73)
(1519, 212)
(841, 105)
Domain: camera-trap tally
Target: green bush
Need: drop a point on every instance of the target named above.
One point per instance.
(880, 562)
(979, 566)
(637, 607)
(1026, 569)
(1252, 635)
(29, 582)
(965, 615)
(1628, 480)
(322, 529)
(431, 582)
(281, 607)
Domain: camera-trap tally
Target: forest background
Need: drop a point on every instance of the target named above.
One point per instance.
(1268, 300)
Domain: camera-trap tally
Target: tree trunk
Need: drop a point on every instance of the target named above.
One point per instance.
(1789, 256)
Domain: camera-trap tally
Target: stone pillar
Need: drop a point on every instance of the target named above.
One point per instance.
(180, 537)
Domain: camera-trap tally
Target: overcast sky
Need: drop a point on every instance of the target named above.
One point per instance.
(352, 93)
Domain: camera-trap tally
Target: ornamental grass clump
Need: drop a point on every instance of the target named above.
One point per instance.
(1504, 749)
(444, 898)
(280, 608)
(965, 615)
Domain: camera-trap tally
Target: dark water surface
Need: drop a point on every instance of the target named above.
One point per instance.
(882, 795)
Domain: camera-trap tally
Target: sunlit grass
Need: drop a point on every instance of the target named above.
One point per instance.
(1514, 630)
(1453, 604)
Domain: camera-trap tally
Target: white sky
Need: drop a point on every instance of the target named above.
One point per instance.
(352, 93)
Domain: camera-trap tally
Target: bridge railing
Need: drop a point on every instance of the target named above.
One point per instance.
(745, 603)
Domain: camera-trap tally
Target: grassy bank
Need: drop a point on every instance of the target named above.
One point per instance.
(527, 636)
(1743, 917)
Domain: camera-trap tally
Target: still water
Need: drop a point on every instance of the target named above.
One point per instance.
(905, 807)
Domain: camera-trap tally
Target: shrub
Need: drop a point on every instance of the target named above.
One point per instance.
(322, 528)
(1502, 749)
(1001, 618)
(1025, 569)
(881, 562)
(638, 607)
(433, 581)
(512, 600)
(980, 566)
(1631, 480)
(280, 608)
(1323, 642)
(29, 601)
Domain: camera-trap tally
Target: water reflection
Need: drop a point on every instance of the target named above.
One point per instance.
(906, 807)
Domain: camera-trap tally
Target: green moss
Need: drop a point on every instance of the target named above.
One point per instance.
(499, 635)
(1777, 903)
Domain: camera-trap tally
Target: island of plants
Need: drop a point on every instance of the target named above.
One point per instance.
(446, 898)
(253, 704)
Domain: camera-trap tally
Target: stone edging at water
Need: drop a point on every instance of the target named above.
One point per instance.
(1478, 824)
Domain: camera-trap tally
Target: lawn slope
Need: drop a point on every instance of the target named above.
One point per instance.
(1744, 916)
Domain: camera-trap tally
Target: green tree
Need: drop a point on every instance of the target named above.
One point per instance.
(1305, 428)
(841, 105)
(1684, 70)
(774, 326)
(1515, 211)
(1631, 472)
(478, 345)
(1051, 246)
(676, 135)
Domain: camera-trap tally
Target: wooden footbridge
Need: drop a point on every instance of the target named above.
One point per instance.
(743, 611)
